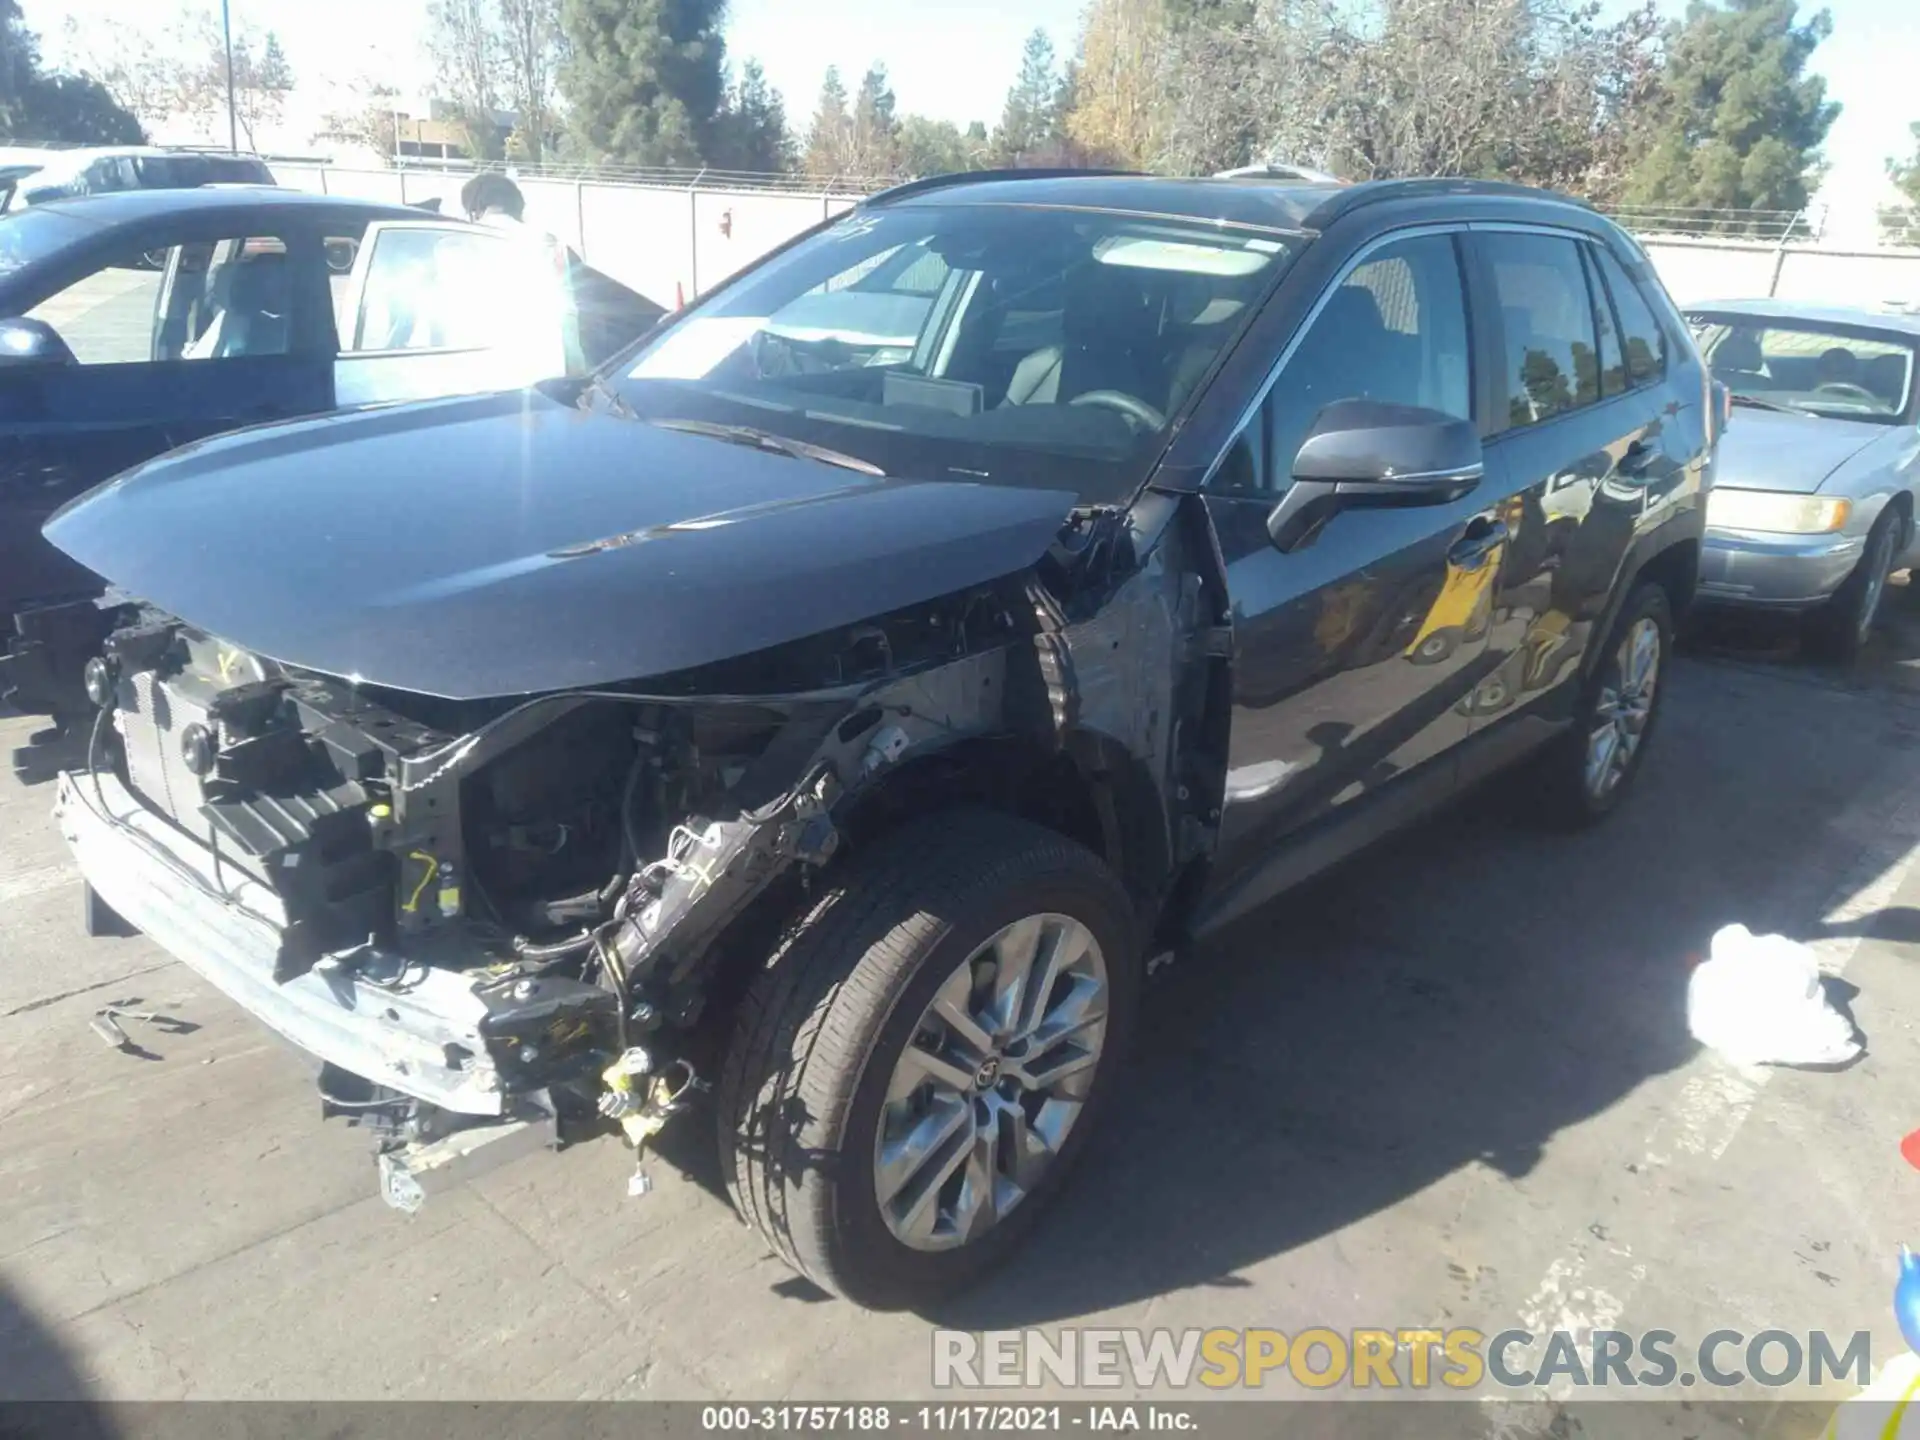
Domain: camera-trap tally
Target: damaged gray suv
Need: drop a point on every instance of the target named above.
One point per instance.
(856, 682)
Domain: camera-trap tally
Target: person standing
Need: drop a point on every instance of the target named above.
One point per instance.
(492, 199)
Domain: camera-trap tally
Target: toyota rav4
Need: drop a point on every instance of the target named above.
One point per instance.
(870, 702)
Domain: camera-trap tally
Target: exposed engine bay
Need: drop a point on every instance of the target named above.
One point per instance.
(509, 914)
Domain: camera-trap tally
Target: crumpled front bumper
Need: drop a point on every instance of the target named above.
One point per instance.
(420, 1036)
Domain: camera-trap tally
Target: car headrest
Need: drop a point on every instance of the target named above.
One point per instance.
(1739, 350)
(1886, 376)
(1352, 311)
(258, 283)
(1838, 364)
(1106, 305)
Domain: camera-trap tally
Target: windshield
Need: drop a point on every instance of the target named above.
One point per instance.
(30, 235)
(1831, 371)
(970, 342)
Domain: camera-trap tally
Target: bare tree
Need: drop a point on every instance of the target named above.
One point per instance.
(1535, 90)
(467, 49)
(531, 42)
(371, 122)
(262, 77)
(1121, 106)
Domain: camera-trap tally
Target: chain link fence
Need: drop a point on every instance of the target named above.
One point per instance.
(673, 233)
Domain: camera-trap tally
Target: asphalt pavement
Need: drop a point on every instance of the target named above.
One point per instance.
(1449, 1084)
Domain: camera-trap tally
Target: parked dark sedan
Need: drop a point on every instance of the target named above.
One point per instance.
(137, 322)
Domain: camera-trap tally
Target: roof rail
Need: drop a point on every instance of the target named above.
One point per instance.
(207, 150)
(929, 183)
(1277, 170)
(1371, 192)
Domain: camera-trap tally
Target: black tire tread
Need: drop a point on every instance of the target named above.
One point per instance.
(1832, 631)
(804, 1026)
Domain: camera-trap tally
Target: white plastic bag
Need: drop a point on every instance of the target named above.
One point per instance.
(1757, 999)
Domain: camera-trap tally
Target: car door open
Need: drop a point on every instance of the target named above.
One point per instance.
(133, 363)
(434, 308)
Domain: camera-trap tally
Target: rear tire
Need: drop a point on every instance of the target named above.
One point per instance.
(1838, 630)
(1581, 778)
(822, 1106)
(1436, 646)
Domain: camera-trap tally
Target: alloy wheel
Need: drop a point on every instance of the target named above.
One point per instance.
(1623, 708)
(993, 1077)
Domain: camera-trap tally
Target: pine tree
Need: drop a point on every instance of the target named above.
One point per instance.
(644, 78)
(752, 131)
(19, 69)
(940, 147)
(1031, 120)
(273, 72)
(1738, 123)
(876, 129)
(830, 137)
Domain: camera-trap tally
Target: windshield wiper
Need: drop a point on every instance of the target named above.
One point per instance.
(1759, 404)
(779, 444)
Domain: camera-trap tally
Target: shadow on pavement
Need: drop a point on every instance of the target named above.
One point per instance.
(42, 1394)
(1460, 994)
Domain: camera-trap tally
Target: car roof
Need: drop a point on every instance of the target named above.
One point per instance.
(1280, 203)
(122, 207)
(94, 152)
(1276, 206)
(1894, 321)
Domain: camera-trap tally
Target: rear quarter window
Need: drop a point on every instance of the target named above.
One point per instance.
(1641, 335)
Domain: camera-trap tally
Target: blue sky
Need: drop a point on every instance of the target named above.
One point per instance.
(954, 59)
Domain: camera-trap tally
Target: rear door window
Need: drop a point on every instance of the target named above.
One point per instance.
(1546, 323)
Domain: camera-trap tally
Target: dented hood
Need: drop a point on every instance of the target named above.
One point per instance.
(512, 544)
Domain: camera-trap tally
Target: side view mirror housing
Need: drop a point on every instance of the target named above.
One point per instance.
(1368, 454)
(27, 343)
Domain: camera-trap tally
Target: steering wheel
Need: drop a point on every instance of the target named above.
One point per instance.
(1131, 406)
(1849, 389)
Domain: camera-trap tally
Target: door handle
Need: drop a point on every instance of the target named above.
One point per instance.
(1481, 540)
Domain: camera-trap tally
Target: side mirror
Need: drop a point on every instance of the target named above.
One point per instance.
(1367, 454)
(27, 343)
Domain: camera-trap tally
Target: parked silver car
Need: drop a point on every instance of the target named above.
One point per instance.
(1813, 505)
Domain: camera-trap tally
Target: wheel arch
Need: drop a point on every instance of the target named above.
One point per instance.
(1089, 788)
(1670, 557)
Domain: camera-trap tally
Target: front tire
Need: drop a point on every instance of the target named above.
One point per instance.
(913, 1074)
(1838, 630)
